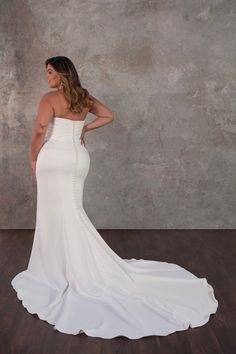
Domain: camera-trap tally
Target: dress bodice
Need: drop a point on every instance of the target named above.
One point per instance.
(64, 129)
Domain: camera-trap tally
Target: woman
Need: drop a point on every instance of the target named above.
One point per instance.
(74, 280)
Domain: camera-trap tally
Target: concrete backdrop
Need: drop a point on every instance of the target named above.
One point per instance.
(168, 70)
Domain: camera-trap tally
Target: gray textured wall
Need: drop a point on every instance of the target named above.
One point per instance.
(168, 70)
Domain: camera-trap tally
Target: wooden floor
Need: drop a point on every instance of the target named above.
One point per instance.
(206, 253)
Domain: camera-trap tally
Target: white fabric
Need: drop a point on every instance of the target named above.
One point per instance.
(76, 282)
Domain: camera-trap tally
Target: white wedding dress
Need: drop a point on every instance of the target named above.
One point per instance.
(76, 282)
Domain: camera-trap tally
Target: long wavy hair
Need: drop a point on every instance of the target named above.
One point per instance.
(76, 96)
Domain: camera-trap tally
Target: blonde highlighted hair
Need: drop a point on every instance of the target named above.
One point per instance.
(76, 95)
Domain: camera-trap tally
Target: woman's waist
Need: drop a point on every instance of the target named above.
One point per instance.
(64, 139)
(57, 146)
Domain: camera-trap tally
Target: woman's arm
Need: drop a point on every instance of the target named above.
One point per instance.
(103, 113)
(44, 116)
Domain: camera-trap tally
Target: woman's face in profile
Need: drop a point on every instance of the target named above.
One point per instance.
(53, 77)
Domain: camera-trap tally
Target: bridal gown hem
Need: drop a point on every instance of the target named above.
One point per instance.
(76, 282)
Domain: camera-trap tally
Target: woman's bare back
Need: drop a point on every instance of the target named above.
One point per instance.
(59, 105)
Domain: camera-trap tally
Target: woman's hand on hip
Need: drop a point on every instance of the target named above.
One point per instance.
(82, 136)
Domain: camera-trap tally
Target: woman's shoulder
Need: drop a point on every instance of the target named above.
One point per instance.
(48, 100)
(50, 94)
(51, 97)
